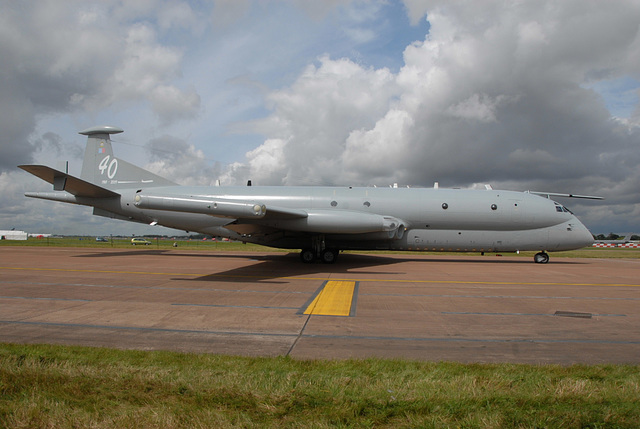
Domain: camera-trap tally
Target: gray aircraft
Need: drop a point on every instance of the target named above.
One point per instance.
(321, 221)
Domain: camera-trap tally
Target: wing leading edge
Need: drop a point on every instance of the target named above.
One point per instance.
(259, 215)
(555, 194)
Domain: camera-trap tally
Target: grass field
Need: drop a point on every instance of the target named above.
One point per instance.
(209, 245)
(69, 387)
(76, 387)
(125, 243)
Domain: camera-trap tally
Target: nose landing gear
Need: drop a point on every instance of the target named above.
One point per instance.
(541, 258)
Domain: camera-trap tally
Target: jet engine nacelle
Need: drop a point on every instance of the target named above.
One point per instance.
(343, 222)
(217, 207)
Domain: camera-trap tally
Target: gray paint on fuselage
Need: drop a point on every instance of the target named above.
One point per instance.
(320, 218)
(519, 221)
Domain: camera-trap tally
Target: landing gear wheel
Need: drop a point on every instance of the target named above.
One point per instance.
(308, 256)
(541, 258)
(329, 256)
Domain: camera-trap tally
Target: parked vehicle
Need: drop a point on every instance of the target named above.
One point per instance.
(136, 241)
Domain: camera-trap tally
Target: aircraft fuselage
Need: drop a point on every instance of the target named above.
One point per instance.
(429, 219)
(319, 220)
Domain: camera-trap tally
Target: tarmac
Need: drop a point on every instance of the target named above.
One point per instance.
(434, 308)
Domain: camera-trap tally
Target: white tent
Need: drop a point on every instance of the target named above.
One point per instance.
(13, 235)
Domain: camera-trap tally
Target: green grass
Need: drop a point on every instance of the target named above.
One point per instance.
(58, 386)
(68, 387)
(123, 243)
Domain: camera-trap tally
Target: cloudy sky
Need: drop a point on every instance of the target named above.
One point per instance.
(539, 95)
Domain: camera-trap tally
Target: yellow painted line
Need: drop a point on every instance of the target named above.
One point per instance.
(74, 270)
(451, 282)
(334, 299)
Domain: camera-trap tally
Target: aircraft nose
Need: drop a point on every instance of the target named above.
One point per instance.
(583, 238)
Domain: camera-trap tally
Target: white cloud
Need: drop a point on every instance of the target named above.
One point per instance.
(172, 104)
(522, 95)
(181, 162)
(74, 57)
(478, 107)
(492, 94)
(374, 155)
(266, 161)
(316, 116)
(179, 15)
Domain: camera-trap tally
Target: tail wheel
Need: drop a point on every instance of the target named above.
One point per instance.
(329, 256)
(541, 258)
(308, 256)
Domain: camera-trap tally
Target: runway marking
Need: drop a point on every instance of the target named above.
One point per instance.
(177, 304)
(454, 282)
(344, 337)
(600, 298)
(293, 292)
(45, 298)
(156, 287)
(237, 306)
(74, 270)
(558, 314)
(334, 298)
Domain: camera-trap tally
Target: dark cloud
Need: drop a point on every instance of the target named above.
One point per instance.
(497, 92)
(179, 161)
(74, 57)
(493, 94)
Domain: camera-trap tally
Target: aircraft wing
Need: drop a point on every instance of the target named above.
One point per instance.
(275, 212)
(251, 215)
(65, 182)
(554, 194)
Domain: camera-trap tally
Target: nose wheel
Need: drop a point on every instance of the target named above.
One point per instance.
(541, 258)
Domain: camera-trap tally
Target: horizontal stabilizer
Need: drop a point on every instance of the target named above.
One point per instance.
(65, 182)
(554, 194)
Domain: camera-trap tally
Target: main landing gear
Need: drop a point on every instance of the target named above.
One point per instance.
(318, 251)
(541, 258)
(328, 256)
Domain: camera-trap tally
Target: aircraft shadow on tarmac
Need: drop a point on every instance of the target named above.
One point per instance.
(271, 266)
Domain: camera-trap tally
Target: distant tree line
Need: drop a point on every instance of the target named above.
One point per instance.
(613, 236)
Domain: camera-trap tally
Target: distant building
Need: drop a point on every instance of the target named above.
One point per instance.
(13, 235)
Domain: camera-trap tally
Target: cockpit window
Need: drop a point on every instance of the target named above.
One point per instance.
(561, 209)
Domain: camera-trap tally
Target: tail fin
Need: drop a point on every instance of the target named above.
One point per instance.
(100, 167)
